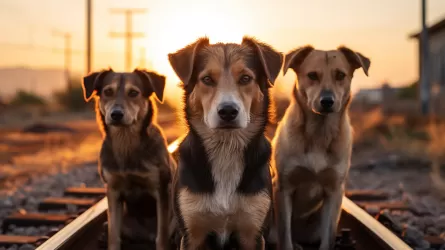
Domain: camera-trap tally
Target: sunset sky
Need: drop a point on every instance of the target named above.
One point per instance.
(377, 28)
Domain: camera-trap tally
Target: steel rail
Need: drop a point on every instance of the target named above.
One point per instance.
(370, 227)
(375, 227)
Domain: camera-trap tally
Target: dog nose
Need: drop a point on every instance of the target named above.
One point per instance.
(327, 102)
(228, 112)
(117, 115)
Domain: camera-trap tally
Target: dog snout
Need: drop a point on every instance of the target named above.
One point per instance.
(228, 111)
(117, 114)
(327, 100)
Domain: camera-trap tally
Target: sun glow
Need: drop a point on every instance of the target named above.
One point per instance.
(179, 28)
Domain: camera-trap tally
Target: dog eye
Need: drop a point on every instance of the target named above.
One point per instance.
(108, 92)
(207, 80)
(339, 76)
(133, 93)
(245, 79)
(313, 76)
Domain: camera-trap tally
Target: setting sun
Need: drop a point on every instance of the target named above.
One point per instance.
(175, 33)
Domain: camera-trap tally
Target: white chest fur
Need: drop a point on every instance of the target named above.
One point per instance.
(227, 170)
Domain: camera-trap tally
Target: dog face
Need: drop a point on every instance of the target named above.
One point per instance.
(225, 83)
(123, 97)
(324, 77)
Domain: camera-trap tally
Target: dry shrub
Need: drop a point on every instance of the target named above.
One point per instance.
(378, 130)
(27, 98)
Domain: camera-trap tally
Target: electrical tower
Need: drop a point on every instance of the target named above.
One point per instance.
(142, 58)
(128, 35)
(67, 54)
(88, 36)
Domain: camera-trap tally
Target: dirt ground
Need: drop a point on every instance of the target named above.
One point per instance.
(27, 154)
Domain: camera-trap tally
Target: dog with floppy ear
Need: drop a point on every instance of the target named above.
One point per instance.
(312, 146)
(134, 161)
(222, 190)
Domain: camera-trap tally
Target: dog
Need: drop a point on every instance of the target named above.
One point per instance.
(222, 189)
(134, 161)
(312, 146)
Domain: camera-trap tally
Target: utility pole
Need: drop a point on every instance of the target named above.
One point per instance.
(67, 54)
(142, 58)
(128, 34)
(442, 71)
(88, 36)
(425, 87)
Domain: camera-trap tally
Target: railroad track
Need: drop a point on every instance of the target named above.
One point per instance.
(82, 222)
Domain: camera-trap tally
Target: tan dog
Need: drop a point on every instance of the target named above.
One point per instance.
(312, 146)
(134, 161)
(223, 187)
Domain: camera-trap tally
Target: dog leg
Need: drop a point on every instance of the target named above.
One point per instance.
(189, 242)
(115, 207)
(182, 244)
(248, 240)
(329, 218)
(283, 208)
(261, 245)
(162, 212)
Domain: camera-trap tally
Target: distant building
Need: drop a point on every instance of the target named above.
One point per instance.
(436, 39)
(369, 96)
(42, 82)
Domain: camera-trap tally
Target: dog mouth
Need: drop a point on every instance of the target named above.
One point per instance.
(324, 111)
(117, 124)
(121, 123)
(228, 125)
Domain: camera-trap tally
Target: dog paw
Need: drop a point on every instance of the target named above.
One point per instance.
(162, 245)
(297, 247)
(326, 247)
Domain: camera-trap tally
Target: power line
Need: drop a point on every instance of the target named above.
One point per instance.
(128, 35)
(39, 47)
(29, 46)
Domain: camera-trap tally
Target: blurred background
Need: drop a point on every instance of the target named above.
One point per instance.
(47, 131)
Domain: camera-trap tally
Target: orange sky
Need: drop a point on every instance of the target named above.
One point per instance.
(377, 28)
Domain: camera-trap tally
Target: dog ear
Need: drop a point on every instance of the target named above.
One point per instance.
(92, 83)
(183, 60)
(356, 59)
(296, 57)
(152, 82)
(271, 59)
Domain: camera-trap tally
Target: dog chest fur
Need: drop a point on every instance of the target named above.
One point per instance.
(202, 212)
(227, 165)
(143, 167)
(132, 183)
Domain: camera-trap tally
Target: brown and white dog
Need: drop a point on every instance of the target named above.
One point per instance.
(312, 146)
(222, 190)
(134, 161)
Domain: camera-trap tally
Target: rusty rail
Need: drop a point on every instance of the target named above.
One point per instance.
(355, 224)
